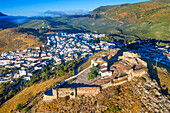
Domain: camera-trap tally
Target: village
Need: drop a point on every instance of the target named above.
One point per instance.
(158, 54)
(63, 47)
(59, 47)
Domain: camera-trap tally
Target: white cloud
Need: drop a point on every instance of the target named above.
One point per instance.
(65, 13)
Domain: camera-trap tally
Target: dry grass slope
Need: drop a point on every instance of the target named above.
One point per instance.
(164, 77)
(13, 39)
(134, 12)
(29, 93)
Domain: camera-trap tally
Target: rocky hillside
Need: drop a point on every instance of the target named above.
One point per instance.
(19, 38)
(141, 94)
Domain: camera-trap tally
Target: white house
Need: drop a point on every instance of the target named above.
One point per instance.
(105, 73)
(94, 63)
(27, 78)
(22, 72)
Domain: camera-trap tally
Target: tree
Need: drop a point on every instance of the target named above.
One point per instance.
(11, 93)
(61, 72)
(6, 97)
(2, 92)
(6, 70)
(27, 109)
(72, 93)
(11, 111)
(65, 68)
(43, 78)
(32, 82)
(43, 74)
(94, 70)
(21, 87)
(90, 76)
(58, 75)
(93, 73)
(115, 109)
(19, 107)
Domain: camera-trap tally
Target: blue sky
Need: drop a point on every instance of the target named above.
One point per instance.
(37, 7)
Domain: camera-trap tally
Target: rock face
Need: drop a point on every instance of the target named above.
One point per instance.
(151, 97)
(141, 94)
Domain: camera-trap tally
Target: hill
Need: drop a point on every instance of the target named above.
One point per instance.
(19, 38)
(28, 94)
(146, 20)
(102, 9)
(1, 14)
(131, 96)
(142, 20)
(139, 12)
(12, 21)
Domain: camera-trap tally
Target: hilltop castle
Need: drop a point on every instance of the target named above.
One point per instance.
(70, 92)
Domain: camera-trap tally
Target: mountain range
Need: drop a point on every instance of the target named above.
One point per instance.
(145, 20)
(140, 20)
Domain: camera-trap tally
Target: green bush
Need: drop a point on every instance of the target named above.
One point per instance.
(112, 81)
(19, 107)
(6, 97)
(107, 111)
(116, 109)
(27, 109)
(72, 93)
(90, 76)
(11, 92)
(93, 73)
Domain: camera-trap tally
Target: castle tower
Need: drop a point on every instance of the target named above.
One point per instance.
(54, 92)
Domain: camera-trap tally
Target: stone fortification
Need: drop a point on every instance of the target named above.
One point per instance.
(133, 67)
(63, 92)
(88, 90)
(71, 92)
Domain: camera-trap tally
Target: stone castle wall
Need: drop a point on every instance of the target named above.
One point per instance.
(51, 96)
(88, 90)
(63, 92)
(118, 81)
(71, 92)
(48, 97)
(139, 73)
(142, 62)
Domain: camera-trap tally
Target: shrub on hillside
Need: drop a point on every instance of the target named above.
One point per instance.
(19, 107)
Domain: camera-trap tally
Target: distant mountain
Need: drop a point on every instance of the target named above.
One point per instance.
(1, 14)
(12, 21)
(167, 1)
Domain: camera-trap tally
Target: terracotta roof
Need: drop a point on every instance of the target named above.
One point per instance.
(101, 67)
(103, 71)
